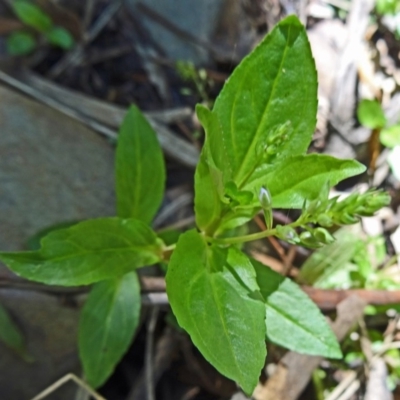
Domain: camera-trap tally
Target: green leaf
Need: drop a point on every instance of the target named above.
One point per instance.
(107, 324)
(20, 43)
(390, 137)
(88, 252)
(32, 15)
(295, 179)
(214, 296)
(140, 169)
(11, 336)
(273, 86)
(370, 114)
(292, 319)
(60, 37)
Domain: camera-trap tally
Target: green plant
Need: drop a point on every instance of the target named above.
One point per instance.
(253, 160)
(371, 115)
(21, 42)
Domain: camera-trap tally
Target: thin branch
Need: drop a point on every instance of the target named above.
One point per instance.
(64, 380)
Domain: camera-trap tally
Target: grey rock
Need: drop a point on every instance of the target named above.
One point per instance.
(52, 169)
(50, 330)
(198, 18)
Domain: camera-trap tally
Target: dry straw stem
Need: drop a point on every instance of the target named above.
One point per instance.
(66, 378)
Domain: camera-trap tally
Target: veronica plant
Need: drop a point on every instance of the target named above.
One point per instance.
(253, 160)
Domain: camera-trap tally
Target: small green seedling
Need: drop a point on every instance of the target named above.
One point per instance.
(198, 77)
(371, 115)
(24, 42)
(253, 160)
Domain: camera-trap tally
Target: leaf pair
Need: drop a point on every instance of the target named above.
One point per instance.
(111, 314)
(107, 248)
(229, 305)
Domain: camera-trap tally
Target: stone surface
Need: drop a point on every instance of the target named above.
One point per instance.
(50, 330)
(198, 18)
(52, 170)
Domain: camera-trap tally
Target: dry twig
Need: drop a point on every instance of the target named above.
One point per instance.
(62, 381)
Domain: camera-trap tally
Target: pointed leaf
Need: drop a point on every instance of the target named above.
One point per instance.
(107, 324)
(140, 169)
(302, 177)
(212, 294)
(292, 319)
(88, 252)
(274, 85)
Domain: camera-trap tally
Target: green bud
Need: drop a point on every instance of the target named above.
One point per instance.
(313, 206)
(308, 240)
(360, 210)
(287, 233)
(306, 235)
(347, 203)
(376, 200)
(266, 204)
(323, 236)
(260, 150)
(272, 149)
(347, 219)
(280, 133)
(325, 220)
(265, 198)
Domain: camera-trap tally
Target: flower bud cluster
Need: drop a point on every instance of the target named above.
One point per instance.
(268, 149)
(310, 237)
(323, 213)
(329, 212)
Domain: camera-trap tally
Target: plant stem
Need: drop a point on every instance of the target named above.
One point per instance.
(252, 236)
(171, 247)
(242, 239)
